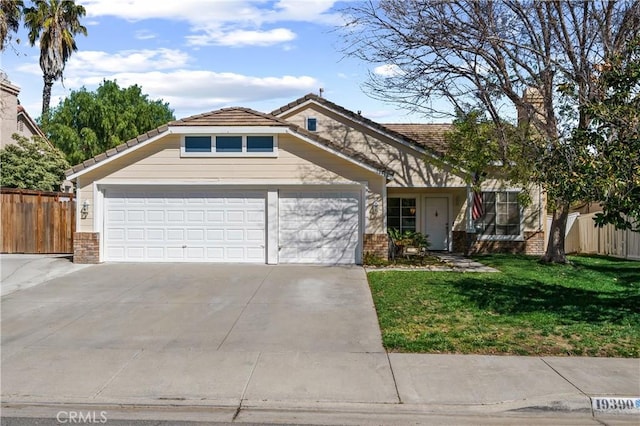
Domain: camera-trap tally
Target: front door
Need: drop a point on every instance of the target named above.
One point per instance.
(436, 222)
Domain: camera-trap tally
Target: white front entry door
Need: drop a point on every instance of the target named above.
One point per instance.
(319, 226)
(176, 224)
(436, 220)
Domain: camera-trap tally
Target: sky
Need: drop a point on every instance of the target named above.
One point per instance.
(202, 55)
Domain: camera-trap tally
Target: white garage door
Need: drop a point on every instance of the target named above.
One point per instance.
(184, 226)
(319, 226)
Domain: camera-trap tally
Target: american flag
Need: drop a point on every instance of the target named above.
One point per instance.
(477, 209)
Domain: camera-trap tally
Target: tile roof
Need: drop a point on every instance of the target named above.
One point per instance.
(429, 136)
(236, 116)
(426, 136)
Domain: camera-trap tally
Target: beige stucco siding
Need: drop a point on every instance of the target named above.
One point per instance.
(298, 163)
(411, 169)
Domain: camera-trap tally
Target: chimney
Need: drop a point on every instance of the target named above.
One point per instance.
(533, 106)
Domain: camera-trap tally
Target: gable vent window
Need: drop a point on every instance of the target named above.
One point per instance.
(229, 146)
(228, 143)
(312, 124)
(197, 144)
(259, 143)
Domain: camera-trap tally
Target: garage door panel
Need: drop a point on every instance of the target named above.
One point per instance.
(195, 216)
(256, 235)
(175, 216)
(155, 253)
(156, 235)
(176, 225)
(215, 216)
(134, 234)
(319, 226)
(115, 234)
(135, 253)
(155, 216)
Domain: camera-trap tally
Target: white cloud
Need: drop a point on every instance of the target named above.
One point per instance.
(193, 91)
(223, 22)
(238, 38)
(145, 35)
(388, 70)
(99, 62)
(163, 73)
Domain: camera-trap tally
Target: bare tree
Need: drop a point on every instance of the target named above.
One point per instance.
(533, 57)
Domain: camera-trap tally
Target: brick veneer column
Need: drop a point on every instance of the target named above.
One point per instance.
(376, 244)
(534, 243)
(86, 247)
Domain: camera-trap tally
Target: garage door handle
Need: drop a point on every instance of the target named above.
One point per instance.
(184, 246)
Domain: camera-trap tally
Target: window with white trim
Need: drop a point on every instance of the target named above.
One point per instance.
(229, 145)
(501, 214)
(401, 214)
(312, 124)
(197, 143)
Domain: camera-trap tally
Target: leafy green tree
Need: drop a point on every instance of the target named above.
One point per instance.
(86, 123)
(32, 164)
(479, 147)
(10, 13)
(614, 141)
(534, 57)
(53, 24)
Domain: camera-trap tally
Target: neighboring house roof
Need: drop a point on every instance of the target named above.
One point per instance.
(33, 126)
(229, 117)
(429, 136)
(432, 140)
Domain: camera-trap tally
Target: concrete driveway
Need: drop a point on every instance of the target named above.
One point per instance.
(202, 333)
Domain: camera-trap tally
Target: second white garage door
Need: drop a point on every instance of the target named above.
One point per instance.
(319, 227)
(174, 225)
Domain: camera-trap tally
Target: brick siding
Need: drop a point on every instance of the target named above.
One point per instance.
(377, 245)
(86, 247)
(533, 244)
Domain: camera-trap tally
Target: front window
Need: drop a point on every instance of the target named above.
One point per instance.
(501, 214)
(401, 214)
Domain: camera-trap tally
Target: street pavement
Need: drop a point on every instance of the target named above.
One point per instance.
(264, 344)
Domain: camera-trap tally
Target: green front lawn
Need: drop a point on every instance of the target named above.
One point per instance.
(589, 308)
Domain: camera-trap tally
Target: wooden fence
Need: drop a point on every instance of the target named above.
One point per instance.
(583, 237)
(36, 222)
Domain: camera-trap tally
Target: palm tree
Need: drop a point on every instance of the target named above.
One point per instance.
(54, 23)
(10, 12)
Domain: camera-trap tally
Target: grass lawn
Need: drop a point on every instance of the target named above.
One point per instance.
(590, 308)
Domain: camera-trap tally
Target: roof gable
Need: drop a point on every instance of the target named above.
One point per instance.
(425, 138)
(30, 122)
(227, 117)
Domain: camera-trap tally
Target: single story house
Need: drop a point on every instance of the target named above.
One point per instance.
(310, 182)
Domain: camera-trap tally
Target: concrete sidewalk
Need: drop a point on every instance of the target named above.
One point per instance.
(22, 271)
(322, 388)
